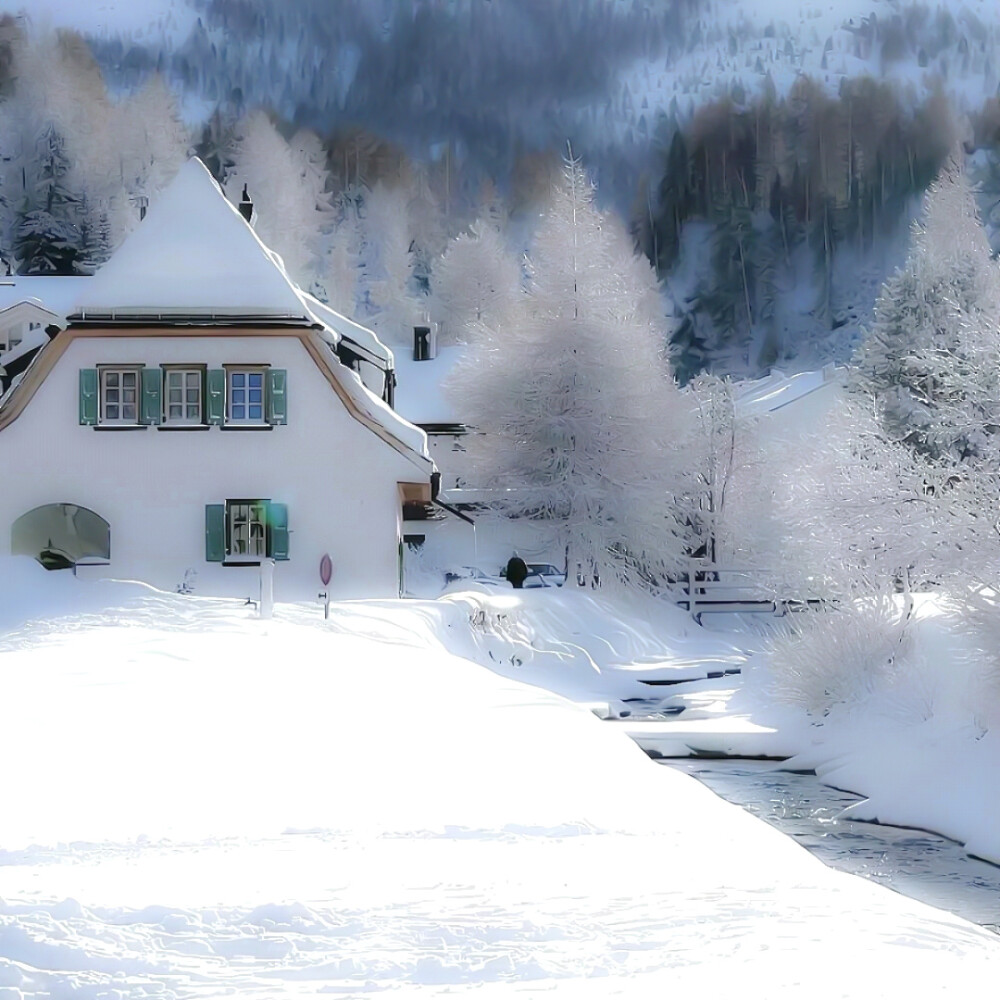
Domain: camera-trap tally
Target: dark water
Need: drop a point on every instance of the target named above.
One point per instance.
(920, 865)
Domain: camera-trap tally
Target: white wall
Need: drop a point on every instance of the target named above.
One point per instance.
(337, 477)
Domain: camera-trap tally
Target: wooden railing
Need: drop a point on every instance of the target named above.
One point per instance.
(707, 588)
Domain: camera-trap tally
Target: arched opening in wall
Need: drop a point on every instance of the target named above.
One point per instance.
(61, 535)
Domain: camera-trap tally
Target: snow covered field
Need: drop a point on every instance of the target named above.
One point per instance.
(198, 803)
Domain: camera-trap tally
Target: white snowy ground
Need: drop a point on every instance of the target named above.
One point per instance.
(197, 803)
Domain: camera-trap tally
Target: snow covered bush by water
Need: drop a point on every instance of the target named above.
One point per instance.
(838, 657)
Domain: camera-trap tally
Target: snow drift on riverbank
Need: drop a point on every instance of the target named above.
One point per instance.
(912, 720)
(908, 716)
(197, 802)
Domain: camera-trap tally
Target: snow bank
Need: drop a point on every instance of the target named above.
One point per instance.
(909, 718)
(586, 648)
(32, 598)
(198, 802)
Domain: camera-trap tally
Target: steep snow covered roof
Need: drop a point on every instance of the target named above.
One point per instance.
(193, 255)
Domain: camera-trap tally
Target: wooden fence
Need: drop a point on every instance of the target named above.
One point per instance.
(711, 589)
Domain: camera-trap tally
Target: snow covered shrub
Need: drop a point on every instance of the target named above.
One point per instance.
(980, 623)
(839, 657)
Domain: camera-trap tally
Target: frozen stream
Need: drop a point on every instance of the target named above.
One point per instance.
(921, 865)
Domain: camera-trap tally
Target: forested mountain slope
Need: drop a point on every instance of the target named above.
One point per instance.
(768, 158)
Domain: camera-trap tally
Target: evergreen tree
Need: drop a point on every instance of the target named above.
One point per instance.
(47, 236)
(932, 356)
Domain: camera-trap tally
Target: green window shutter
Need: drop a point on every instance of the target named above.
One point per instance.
(89, 395)
(277, 396)
(152, 386)
(215, 532)
(277, 521)
(215, 397)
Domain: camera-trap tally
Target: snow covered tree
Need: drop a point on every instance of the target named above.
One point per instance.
(477, 283)
(341, 277)
(932, 356)
(388, 263)
(47, 238)
(865, 512)
(287, 182)
(153, 141)
(575, 404)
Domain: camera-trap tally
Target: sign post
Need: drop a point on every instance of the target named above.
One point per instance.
(325, 575)
(266, 588)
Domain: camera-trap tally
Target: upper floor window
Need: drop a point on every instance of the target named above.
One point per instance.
(245, 395)
(182, 395)
(119, 396)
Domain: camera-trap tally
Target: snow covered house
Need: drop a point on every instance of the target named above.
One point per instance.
(194, 420)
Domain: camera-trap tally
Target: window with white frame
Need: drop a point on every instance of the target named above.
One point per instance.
(119, 396)
(247, 529)
(245, 395)
(182, 396)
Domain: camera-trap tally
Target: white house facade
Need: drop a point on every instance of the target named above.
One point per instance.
(193, 422)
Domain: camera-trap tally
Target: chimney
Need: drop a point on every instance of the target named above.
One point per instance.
(246, 206)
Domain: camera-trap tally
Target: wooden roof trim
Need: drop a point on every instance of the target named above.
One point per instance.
(48, 357)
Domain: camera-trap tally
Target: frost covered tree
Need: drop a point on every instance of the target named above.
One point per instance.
(47, 238)
(477, 282)
(153, 141)
(388, 265)
(287, 182)
(866, 513)
(341, 275)
(575, 404)
(931, 359)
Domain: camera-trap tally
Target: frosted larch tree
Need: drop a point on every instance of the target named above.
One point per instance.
(477, 283)
(387, 272)
(287, 187)
(575, 403)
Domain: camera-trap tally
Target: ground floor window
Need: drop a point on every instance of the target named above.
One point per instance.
(247, 528)
(246, 531)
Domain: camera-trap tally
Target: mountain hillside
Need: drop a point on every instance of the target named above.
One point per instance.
(768, 158)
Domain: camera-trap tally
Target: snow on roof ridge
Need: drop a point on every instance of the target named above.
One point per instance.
(193, 254)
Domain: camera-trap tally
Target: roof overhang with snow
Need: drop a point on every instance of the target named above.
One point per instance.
(358, 338)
